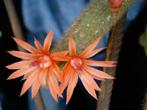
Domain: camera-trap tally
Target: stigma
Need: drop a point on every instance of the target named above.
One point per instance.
(76, 63)
(42, 62)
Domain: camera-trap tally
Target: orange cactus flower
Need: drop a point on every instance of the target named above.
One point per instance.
(38, 66)
(115, 5)
(79, 66)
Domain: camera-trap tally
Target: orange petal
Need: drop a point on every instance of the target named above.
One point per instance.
(90, 48)
(54, 81)
(90, 80)
(100, 63)
(60, 56)
(52, 89)
(53, 93)
(48, 41)
(35, 87)
(28, 83)
(21, 72)
(65, 69)
(92, 53)
(72, 84)
(37, 44)
(43, 77)
(25, 45)
(22, 55)
(72, 46)
(65, 78)
(18, 65)
(25, 76)
(87, 86)
(57, 71)
(97, 73)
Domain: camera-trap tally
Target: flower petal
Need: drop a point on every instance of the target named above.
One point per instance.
(65, 78)
(65, 69)
(28, 83)
(43, 77)
(25, 76)
(25, 45)
(18, 65)
(90, 80)
(52, 89)
(22, 55)
(72, 46)
(93, 53)
(71, 85)
(60, 56)
(97, 73)
(90, 48)
(37, 44)
(87, 86)
(57, 71)
(54, 81)
(48, 41)
(21, 72)
(100, 63)
(35, 87)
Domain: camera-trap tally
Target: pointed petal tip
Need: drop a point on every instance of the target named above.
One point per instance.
(50, 33)
(67, 101)
(35, 39)
(16, 39)
(96, 98)
(9, 51)
(8, 67)
(99, 89)
(10, 77)
(12, 52)
(56, 99)
(22, 93)
(33, 96)
(114, 63)
(110, 77)
(61, 96)
(48, 40)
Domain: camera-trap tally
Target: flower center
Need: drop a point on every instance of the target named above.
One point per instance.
(45, 62)
(42, 62)
(76, 63)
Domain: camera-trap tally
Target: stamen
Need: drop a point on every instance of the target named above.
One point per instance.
(76, 63)
(45, 62)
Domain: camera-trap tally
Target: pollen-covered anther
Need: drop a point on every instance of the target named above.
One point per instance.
(76, 63)
(45, 62)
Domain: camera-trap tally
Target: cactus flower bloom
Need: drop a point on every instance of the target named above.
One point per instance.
(79, 66)
(115, 5)
(38, 66)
